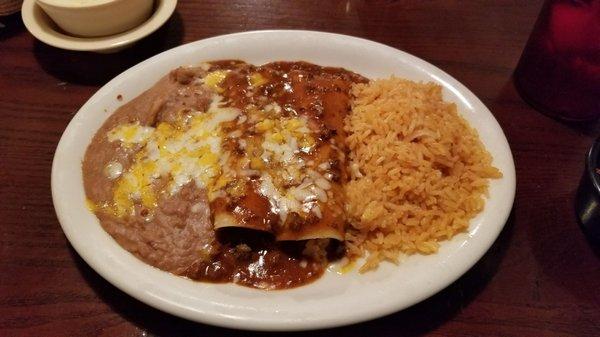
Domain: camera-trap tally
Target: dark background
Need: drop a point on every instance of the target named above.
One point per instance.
(540, 278)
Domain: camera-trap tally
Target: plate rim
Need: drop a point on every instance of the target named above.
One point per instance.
(240, 322)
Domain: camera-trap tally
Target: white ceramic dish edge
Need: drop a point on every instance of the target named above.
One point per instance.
(39, 25)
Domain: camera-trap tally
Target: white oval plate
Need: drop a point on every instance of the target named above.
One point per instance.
(334, 299)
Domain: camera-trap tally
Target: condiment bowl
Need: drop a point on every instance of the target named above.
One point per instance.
(92, 18)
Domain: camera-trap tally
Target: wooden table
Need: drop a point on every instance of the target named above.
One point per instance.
(540, 278)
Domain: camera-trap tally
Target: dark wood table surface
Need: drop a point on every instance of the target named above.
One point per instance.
(540, 278)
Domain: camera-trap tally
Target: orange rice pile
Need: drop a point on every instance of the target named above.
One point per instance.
(419, 171)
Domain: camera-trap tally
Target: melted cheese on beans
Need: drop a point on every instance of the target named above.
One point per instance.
(191, 151)
(188, 151)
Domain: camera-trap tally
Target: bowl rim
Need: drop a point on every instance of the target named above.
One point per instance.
(78, 6)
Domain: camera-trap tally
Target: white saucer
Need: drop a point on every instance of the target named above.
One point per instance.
(45, 30)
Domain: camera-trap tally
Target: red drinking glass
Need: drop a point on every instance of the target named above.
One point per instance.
(559, 70)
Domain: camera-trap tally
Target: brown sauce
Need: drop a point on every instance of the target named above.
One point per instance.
(253, 258)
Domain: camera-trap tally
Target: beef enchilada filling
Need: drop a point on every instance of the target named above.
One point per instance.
(228, 172)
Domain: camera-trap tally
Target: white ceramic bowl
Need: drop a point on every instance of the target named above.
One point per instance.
(92, 18)
(334, 299)
(40, 25)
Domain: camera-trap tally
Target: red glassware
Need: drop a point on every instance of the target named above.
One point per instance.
(559, 70)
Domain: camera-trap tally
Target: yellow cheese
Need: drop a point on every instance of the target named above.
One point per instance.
(214, 79)
(256, 80)
(91, 205)
(130, 133)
